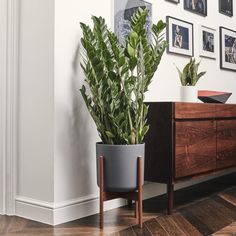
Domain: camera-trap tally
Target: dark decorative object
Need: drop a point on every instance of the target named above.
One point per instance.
(196, 6)
(213, 96)
(179, 36)
(227, 49)
(174, 1)
(226, 7)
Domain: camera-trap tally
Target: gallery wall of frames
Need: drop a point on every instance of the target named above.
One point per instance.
(180, 33)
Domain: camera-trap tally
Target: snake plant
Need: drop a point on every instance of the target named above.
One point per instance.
(190, 76)
(117, 77)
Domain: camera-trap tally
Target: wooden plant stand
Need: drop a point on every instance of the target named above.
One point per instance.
(135, 195)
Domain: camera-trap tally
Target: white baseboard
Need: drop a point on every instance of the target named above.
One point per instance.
(34, 210)
(82, 207)
(54, 214)
(62, 212)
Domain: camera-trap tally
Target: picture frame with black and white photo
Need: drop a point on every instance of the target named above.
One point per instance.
(227, 49)
(123, 12)
(226, 7)
(179, 37)
(208, 42)
(196, 6)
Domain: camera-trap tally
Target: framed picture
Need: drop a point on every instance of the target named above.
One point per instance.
(123, 11)
(174, 1)
(196, 6)
(208, 42)
(179, 36)
(227, 49)
(226, 7)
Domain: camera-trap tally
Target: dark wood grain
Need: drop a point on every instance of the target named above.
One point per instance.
(183, 141)
(101, 199)
(170, 194)
(185, 225)
(225, 111)
(169, 225)
(155, 228)
(195, 147)
(194, 110)
(141, 232)
(226, 143)
(159, 143)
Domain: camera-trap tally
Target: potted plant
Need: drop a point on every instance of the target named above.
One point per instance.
(189, 78)
(117, 77)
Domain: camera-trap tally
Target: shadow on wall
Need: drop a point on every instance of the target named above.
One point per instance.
(76, 140)
(85, 132)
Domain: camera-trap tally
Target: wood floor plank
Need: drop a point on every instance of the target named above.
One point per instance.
(4, 223)
(228, 198)
(231, 208)
(184, 225)
(127, 232)
(155, 228)
(169, 225)
(141, 232)
(205, 213)
(223, 210)
(195, 221)
(229, 230)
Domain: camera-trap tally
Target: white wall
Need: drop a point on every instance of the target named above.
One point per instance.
(3, 23)
(75, 133)
(36, 93)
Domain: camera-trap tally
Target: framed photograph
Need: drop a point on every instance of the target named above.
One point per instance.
(208, 42)
(226, 7)
(179, 36)
(227, 49)
(196, 6)
(123, 11)
(174, 1)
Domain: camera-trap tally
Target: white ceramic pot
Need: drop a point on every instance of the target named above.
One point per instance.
(188, 94)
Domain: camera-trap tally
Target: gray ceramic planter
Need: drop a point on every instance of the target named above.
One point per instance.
(120, 166)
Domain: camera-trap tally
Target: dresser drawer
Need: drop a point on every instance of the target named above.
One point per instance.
(225, 111)
(194, 110)
(195, 147)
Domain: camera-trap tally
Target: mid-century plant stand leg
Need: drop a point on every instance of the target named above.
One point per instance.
(135, 195)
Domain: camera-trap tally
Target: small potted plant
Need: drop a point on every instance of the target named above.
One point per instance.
(189, 78)
(116, 78)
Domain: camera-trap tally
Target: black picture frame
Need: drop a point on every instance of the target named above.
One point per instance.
(169, 37)
(174, 1)
(225, 65)
(224, 11)
(186, 7)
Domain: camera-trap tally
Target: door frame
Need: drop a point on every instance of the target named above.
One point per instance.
(9, 82)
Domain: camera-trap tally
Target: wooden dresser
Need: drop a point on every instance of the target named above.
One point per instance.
(187, 140)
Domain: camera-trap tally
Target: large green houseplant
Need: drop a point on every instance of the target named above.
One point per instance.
(117, 77)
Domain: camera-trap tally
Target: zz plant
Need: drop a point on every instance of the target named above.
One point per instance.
(117, 77)
(190, 76)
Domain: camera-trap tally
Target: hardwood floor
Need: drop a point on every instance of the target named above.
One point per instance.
(205, 209)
